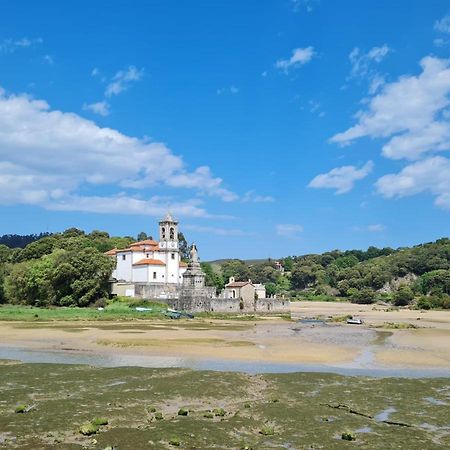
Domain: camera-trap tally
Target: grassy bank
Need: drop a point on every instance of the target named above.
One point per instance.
(51, 406)
(114, 311)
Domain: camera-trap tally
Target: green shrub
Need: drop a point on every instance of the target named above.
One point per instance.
(208, 415)
(99, 421)
(175, 442)
(348, 436)
(267, 430)
(20, 409)
(219, 412)
(159, 416)
(88, 429)
(183, 412)
(403, 296)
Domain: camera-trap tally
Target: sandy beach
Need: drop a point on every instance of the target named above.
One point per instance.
(271, 340)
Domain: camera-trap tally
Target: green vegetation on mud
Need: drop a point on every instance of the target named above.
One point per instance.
(139, 408)
(117, 310)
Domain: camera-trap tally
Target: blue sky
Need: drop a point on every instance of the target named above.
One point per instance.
(269, 128)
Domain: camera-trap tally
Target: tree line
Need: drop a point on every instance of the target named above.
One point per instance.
(419, 275)
(70, 268)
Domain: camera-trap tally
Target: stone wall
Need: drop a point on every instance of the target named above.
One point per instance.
(200, 299)
(272, 305)
(156, 291)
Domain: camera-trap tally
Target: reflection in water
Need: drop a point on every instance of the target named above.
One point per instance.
(223, 365)
(384, 415)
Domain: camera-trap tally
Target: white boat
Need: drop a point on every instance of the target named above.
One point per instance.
(353, 321)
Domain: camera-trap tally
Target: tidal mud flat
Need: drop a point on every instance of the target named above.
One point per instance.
(139, 408)
(390, 343)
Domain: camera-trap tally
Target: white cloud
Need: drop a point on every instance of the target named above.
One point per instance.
(95, 72)
(443, 25)
(201, 179)
(411, 112)
(430, 175)
(122, 80)
(362, 66)
(439, 42)
(303, 5)
(300, 56)
(289, 230)
(376, 82)
(11, 45)
(127, 205)
(100, 108)
(341, 178)
(253, 197)
(48, 157)
(228, 90)
(48, 59)
(216, 230)
(375, 228)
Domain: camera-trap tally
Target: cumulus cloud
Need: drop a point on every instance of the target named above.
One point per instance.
(48, 157)
(430, 175)
(100, 108)
(11, 45)
(341, 178)
(410, 112)
(443, 25)
(289, 230)
(300, 57)
(122, 80)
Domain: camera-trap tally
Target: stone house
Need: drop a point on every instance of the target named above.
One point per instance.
(245, 291)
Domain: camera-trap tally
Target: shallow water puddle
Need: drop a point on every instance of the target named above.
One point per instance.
(384, 415)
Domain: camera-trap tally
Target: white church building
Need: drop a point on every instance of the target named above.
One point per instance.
(150, 261)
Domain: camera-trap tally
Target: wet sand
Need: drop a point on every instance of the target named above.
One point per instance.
(270, 340)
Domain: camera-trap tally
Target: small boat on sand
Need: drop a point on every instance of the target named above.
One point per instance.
(353, 321)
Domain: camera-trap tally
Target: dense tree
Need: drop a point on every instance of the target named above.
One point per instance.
(403, 296)
(212, 278)
(184, 247)
(20, 241)
(142, 236)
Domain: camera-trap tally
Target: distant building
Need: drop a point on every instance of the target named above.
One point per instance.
(150, 261)
(244, 290)
(279, 266)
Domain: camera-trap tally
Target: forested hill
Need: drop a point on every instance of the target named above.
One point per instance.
(20, 240)
(405, 275)
(70, 268)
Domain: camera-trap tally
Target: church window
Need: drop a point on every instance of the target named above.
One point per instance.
(124, 257)
(148, 256)
(154, 275)
(163, 232)
(173, 255)
(172, 233)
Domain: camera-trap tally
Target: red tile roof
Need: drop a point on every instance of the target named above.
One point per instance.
(150, 242)
(111, 252)
(149, 262)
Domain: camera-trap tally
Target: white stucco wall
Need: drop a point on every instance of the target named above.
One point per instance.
(123, 268)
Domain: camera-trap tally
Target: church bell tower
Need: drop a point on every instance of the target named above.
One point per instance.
(168, 234)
